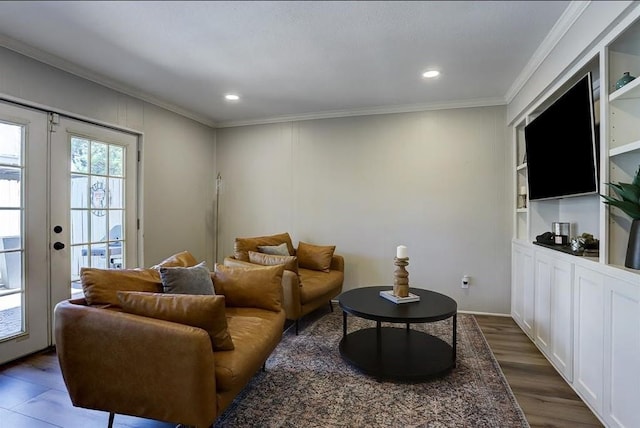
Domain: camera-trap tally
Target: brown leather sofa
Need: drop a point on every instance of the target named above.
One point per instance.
(316, 279)
(130, 364)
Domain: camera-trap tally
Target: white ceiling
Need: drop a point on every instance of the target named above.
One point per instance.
(291, 59)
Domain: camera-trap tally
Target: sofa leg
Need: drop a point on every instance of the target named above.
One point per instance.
(296, 327)
(111, 416)
(330, 305)
(264, 366)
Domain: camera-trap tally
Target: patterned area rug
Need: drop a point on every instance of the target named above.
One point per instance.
(308, 384)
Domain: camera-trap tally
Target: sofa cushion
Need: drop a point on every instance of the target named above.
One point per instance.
(289, 262)
(276, 250)
(181, 259)
(316, 284)
(258, 287)
(315, 257)
(101, 286)
(205, 312)
(255, 333)
(242, 246)
(187, 280)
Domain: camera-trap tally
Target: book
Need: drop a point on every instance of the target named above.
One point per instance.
(388, 294)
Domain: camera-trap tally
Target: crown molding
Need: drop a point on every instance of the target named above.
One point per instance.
(332, 114)
(66, 66)
(559, 29)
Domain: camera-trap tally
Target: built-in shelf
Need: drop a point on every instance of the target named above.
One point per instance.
(628, 91)
(627, 148)
(521, 167)
(522, 210)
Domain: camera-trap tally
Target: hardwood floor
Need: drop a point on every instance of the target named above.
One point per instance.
(33, 395)
(546, 399)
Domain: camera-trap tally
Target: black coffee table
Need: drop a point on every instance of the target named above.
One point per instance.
(398, 353)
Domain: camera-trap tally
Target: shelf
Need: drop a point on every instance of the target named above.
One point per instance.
(629, 91)
(521, 167)
(522, 210)
(627, 148)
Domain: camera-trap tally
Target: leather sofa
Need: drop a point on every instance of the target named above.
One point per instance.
(316, 278)
(126, 363)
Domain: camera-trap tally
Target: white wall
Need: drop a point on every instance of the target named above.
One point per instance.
(178, 178)
(436, 181)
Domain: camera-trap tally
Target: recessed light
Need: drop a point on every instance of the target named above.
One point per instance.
(231, 97)
(430, 74)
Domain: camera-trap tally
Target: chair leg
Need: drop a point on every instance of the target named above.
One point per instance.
(111, 416)
(331, 305)
(296, 327)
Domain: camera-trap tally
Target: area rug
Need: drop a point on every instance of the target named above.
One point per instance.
(308, 384)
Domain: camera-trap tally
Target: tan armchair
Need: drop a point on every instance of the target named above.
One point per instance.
(304, 291)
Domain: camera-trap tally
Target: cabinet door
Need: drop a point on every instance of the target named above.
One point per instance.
(562, 317)
(522, 288)
(589, 336)
(543, 284)
(622, 353)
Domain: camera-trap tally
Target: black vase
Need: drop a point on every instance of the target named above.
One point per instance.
(633, 247)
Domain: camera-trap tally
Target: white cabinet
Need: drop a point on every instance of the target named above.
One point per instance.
(589, 336)
(585, 318)
(562, 318)
(622, 352)
(553, 279)
(522, 294)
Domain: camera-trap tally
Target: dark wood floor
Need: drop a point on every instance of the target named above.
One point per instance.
(33, 395)
(546, 399)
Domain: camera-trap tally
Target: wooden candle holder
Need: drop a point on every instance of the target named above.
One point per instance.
(401, 277)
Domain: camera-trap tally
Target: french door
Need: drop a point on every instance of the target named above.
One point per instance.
(67, 200)
(93, 202)
(24, 253)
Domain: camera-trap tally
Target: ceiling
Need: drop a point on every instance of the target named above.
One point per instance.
(291, 60)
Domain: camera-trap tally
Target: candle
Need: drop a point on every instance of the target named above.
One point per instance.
(401, 252)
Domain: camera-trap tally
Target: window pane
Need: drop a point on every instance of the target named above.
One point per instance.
(10, 144)
(79, 155)
(116, 160)
(79, 226)
(10, 187)
(116, 194)
(99, 196)
(98, 227)
(79, 191)
(11, 270)
(98, 158)
(98, 261)
(79, 259)
(11, 317)
(10, 223)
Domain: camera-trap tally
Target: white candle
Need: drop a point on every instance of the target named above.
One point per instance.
(401, 252)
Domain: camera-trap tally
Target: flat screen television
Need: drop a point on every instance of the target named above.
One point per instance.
(562, 147)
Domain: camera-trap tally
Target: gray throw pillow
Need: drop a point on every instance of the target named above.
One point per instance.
(275, 250)
(187, 280)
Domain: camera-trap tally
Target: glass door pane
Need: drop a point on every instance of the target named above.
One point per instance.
(97, 206)
(12, 320)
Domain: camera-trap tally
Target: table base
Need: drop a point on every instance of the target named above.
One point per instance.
(397, 353)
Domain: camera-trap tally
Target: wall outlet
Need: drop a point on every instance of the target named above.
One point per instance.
(465, 281)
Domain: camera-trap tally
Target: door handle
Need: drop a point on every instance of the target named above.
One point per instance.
(58, 246)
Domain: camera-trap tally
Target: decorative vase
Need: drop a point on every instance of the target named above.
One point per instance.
(626, 78)
(633, 246)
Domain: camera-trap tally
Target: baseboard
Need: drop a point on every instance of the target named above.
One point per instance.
(485, 313)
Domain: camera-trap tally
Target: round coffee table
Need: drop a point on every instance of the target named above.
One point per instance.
(398, 353)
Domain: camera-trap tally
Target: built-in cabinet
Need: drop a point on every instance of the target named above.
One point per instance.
(586, 321)
(584, 313)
